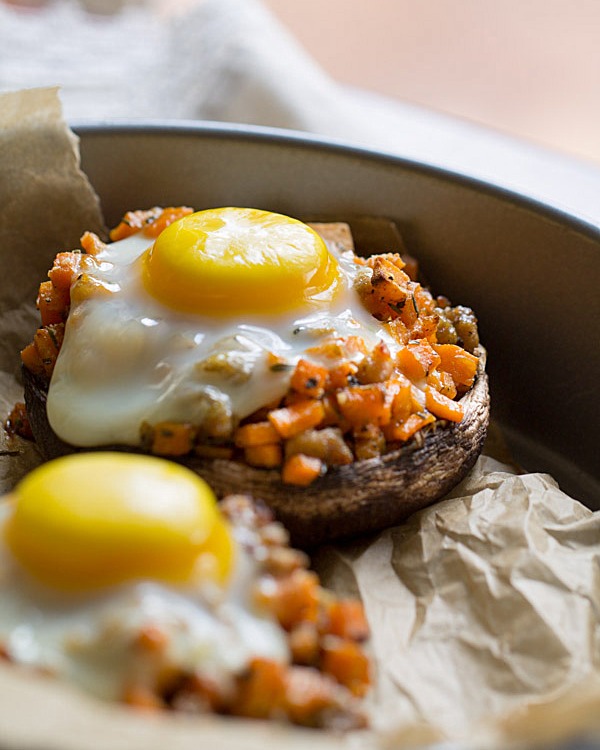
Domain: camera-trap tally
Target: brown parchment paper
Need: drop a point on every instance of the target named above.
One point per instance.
(46, 203)
(484, 609)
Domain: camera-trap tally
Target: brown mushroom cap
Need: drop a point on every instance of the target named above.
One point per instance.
(347, 501)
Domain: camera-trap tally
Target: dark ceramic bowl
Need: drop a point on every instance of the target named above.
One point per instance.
(530, 271)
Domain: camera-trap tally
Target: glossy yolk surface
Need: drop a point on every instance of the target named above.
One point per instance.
(91, 520)
(239, 260)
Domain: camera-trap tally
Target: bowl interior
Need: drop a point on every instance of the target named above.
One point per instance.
(529, 271)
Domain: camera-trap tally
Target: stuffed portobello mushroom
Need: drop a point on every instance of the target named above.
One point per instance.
(298, 362)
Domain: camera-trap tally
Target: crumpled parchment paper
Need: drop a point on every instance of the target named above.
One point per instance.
(46, 203)
(484, 608)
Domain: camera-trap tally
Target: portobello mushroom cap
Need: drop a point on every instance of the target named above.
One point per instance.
(347, 501)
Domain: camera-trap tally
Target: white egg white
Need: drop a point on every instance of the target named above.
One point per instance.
(128, 359)
(90, 639)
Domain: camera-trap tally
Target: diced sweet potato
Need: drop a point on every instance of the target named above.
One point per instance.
(365, 404)
(256, 433)
(302, 470)
(309, 379)
(346, 619)
(260, 689)
(293, 419)
(173, 438)
(417, 359)
(293, 599)
(345, 661)
(53, 303)
(403, 431)
(442, 406)
(460, 364)
(266, 456)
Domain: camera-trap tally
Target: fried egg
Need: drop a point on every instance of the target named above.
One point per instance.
(184, 327)
(98, 549)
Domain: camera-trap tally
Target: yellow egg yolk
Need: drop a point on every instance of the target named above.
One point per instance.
(97, 519)
(239, 260)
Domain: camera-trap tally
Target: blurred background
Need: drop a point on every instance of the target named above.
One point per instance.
(530, 68)
(525, 68)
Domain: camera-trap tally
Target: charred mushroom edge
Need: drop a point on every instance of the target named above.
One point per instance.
(348, 501)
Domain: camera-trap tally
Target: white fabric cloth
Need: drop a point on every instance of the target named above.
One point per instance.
(231, 60)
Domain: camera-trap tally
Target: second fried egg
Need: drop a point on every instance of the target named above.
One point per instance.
(99, 549)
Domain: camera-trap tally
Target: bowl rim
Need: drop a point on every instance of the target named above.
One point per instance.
(579, 221)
